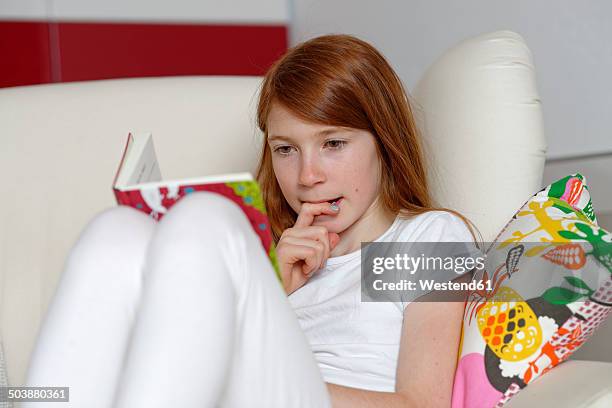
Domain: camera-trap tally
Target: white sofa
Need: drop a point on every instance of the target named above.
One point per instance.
(60, 145)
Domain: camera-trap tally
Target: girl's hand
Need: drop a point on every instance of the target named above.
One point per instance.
(304, 248)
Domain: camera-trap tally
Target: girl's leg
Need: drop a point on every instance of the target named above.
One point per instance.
(214, 326)
(84, 335)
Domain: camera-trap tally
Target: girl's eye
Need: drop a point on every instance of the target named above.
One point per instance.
(282, 150)
(333, 144)
(336, 144)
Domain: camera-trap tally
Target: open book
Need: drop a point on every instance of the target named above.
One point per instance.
(138, 183)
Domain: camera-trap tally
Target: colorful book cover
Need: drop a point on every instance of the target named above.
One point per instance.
(138, 184)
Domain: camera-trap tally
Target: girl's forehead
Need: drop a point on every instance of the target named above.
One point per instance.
(282, 121)
(279, 114)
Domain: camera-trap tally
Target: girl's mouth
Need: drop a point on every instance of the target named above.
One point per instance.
(330, 201)
(335, 200)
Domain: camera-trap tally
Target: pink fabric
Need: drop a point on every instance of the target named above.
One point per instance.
(472, 388)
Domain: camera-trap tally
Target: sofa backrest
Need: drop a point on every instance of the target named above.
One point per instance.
(59, 149)
(60, 145)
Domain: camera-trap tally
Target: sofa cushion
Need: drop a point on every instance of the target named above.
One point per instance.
(550, 276)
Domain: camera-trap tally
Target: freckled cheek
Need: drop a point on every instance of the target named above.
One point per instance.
(359, 172)
(363, 183)
(287, 180)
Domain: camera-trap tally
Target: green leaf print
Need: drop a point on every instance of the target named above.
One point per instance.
(561, 296)
(579, 283)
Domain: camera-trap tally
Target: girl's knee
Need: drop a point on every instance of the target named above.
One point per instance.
(110, 251)
(116, 229)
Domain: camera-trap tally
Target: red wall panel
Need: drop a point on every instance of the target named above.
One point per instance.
(125, 50)
(24, 53)
(71, 51)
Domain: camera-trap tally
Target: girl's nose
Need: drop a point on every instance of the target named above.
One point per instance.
(311, 173)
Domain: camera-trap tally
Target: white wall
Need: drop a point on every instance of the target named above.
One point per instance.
(571, 42)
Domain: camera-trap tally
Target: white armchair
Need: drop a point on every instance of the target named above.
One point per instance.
(477, 105)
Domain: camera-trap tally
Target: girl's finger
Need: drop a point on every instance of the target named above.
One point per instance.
(320, 247)
(311, 263)
(296, 253)
(309, 211)
(316, 233)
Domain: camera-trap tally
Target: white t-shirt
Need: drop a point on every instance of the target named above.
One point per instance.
(356, 343)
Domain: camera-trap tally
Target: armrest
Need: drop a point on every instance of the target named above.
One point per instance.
(573, 383)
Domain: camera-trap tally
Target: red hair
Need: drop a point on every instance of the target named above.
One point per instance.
(340, 80)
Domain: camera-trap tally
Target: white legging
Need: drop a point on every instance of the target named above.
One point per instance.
(183, 312)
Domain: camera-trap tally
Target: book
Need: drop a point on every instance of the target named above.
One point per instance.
(138, 183)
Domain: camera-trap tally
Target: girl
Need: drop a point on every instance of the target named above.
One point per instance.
(188, 312)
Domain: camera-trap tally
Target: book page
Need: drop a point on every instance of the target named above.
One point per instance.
(147, 167)
(140, 162)
(140, 169)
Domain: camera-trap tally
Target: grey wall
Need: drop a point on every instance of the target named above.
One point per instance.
(571, 42)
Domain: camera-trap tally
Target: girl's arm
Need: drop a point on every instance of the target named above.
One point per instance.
(342, 396)
(426, 362)
(428, 352)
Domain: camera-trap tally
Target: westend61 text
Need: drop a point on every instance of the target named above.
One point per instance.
(430, 284)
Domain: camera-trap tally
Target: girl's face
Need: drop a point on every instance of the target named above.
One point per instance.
(315, 163)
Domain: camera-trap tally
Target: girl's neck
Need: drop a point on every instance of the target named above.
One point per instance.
(372, 224)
